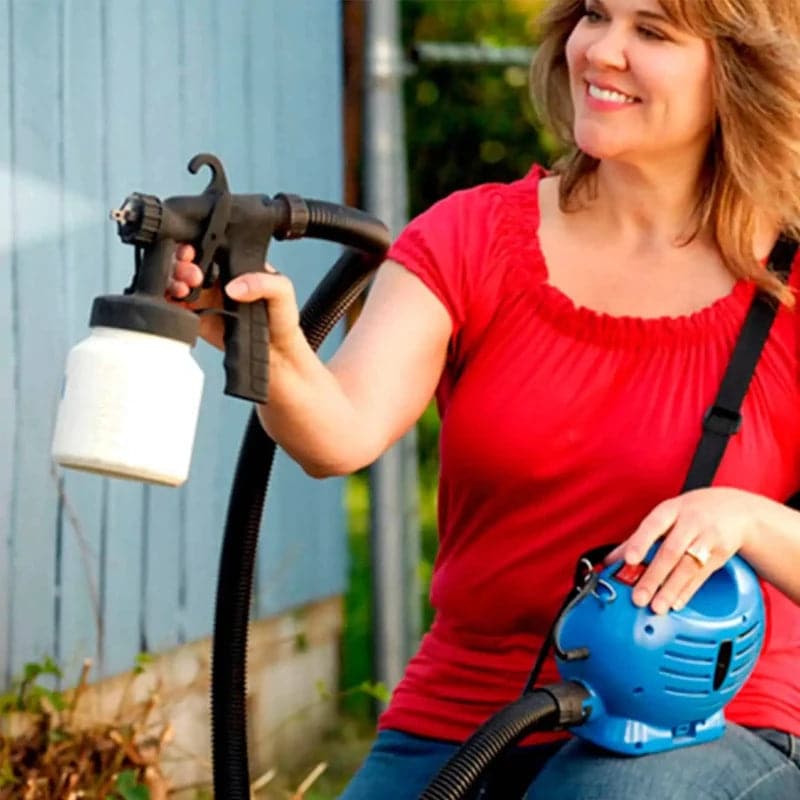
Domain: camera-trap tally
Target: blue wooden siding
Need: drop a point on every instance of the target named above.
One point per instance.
(104, 98)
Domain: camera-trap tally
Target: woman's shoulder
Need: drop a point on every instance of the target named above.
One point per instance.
(480, 197)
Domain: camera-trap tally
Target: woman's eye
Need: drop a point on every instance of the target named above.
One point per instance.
(649, 33)
(593, 16)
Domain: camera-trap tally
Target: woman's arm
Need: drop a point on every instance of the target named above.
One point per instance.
(773, 547)
(336, 418)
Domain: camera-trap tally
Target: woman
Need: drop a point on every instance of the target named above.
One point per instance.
(575, 325)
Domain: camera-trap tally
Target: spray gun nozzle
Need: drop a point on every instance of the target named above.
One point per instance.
(124, 215)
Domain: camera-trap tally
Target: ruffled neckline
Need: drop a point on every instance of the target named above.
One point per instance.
(719, 318)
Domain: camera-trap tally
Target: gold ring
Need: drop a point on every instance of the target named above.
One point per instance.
(700, 553)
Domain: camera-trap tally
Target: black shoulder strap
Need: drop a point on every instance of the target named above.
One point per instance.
(724, 418)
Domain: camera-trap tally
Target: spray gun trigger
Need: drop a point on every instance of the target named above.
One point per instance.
(210, 277)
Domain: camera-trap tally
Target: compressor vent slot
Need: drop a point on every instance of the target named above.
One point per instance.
(689, 676)
(689, 659)
(695, 641)
(680, 692)
(738, 670)
(749, 632)
(744, 651)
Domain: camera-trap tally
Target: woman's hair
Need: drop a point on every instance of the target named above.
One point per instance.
(752, 169)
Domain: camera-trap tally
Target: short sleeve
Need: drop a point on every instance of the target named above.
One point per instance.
(448, 247)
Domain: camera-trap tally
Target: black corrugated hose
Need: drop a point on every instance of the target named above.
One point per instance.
(549, 708)
(343, 283)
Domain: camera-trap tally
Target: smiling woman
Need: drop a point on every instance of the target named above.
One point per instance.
(714, 70)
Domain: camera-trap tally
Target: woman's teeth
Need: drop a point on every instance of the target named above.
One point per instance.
(609, 95)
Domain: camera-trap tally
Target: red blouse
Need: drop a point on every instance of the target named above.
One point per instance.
(561, 429)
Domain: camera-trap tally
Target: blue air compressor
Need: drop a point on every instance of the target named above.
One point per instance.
(659, 681)
(635, 682)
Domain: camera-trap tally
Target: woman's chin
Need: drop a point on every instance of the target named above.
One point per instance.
(600, 149)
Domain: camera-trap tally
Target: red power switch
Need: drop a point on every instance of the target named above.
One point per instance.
(630, 573)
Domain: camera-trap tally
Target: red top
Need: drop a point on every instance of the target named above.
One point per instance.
(561, 429)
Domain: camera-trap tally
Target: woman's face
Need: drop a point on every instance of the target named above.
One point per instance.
(641, 88)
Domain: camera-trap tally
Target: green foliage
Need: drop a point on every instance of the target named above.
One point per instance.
(128, 787)
(7, 777)
(142, 662)
(357, 637)
(99, 759)
(27, 694)
(376, 690)
(468, 124)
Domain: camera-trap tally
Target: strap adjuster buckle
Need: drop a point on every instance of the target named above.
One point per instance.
(722, 421)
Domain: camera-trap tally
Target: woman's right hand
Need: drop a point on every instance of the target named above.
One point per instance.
(268, 286)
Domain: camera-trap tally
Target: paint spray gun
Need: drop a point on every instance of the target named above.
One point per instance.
(132, 391)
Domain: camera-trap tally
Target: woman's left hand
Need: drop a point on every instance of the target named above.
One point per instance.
(700, 531)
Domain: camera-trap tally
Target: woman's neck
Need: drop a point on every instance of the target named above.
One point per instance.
(647, 207)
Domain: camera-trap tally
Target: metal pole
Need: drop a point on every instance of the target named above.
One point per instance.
(393, 479)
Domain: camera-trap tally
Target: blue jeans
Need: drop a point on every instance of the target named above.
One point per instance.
(742, 765)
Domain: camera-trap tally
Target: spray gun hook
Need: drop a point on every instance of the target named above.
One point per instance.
(217, 222)
(219, 182)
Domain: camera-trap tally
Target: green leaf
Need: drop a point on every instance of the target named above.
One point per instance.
(8, 703)
(57, 735)
(379, 691)
(322, 690)
(129, 788)
(141, 662)
(57, 699)
(49, 667)
(7, 777)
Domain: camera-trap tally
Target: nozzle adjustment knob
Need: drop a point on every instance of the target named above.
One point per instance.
(139, 218)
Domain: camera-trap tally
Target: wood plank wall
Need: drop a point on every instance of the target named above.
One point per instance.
(101, 98)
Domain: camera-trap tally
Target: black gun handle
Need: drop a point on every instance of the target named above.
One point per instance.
(246, 350)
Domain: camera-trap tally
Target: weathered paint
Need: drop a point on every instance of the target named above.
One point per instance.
(104, 99)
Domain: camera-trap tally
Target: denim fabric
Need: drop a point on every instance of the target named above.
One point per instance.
(742, 765)
(400, 766)
(787, 743)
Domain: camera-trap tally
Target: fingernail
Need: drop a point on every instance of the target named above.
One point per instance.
(236, 288)
(640, 597)
(678, 605)
(660, 607)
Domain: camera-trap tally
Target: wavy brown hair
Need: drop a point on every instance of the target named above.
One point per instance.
(752, 169)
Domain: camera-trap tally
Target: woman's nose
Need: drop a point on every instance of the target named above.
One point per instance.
(608, 49)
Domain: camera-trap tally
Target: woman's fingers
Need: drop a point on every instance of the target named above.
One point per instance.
(178, 289)
(697, 574)
(270, 286)
(259, 285)
(187, 273)
(277, 290)
(652, 528)
(672, 576)
(685, 577)
(668, 572)
(184, 252)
